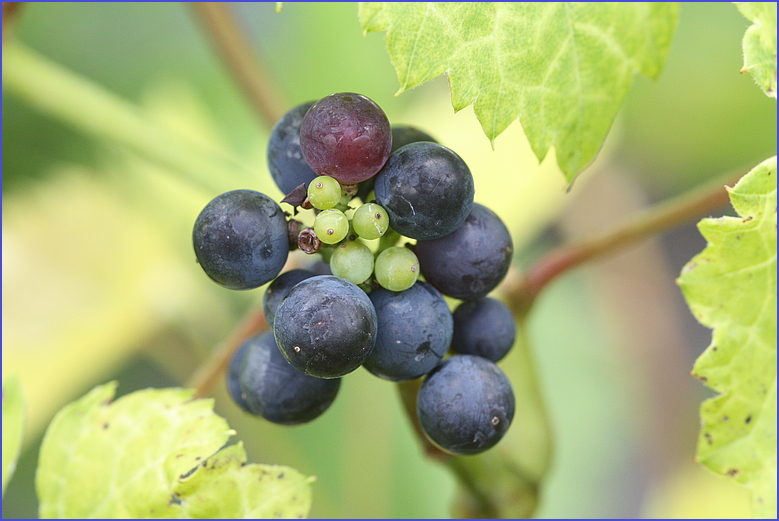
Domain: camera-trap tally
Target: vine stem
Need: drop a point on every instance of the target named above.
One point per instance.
(673, 212)
(499, 483)
(206, 376)
(244, 64)
(10, 12)
(80, 102)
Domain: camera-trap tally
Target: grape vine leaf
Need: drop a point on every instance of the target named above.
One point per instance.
(759, 44)
(731, 287)
(13, 426)
(155, 453)
(563, 68)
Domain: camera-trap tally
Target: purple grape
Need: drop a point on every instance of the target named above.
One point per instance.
(346, 136)
(402, 135)
(483, 327)
(279, 288)
(427, 190)
(414, 332)
(285, 160)
(240, 239)
(273, 389)
(472, 260)
(325, 326)
(466, 404)
(232, 377)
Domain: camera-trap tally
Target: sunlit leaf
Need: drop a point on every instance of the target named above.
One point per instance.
(133, 458)
(562, 68)
(759, 44)
(13, 426)
(731, 287)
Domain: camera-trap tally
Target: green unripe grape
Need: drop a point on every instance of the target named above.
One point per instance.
(331, 226)
(353, 261)
(324, 192)
(396, 268)
(370, 221)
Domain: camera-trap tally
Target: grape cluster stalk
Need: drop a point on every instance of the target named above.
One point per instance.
(388, 216)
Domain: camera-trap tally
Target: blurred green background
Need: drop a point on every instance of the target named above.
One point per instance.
(100, 283)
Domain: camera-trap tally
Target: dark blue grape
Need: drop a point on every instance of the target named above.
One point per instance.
(466, 404)
(286, 163)
(240, 239)
(426, 189)
(320, 267)
(483, 327)
(279, 288)
(471, 261)
(346, 136)
(414, 332)
(278, 392)
(402, 135)
(325, 326)
(233, 375)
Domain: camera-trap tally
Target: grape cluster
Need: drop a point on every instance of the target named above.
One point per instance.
(391, 213)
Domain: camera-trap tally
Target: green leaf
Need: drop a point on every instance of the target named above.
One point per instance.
(151, 454)
(731, 287)
(13, 426)
(759, 44)
(225, 486)
(563, 68)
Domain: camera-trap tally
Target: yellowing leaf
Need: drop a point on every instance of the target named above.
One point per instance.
(731, 287)
(563, 68)
(13, 426)
(134, 458)
(225, 486)
(759, 44)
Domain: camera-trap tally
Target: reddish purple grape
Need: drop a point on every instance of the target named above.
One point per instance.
(346, 136)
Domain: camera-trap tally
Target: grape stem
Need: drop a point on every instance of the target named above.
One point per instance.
(408, 396)
(502, 482)
(87, 106)
(10, 12)
(204, 379)
(700, 201)
(245, 64)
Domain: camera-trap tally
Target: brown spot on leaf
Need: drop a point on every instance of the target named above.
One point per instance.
(748, 419)
(732, 472)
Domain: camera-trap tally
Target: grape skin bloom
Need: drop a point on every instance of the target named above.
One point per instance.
(466, 404)
(426, 189)
(325, 326)
(471, 261)
(346, 136)
(286, 163)
(240, 239)
(414, 332)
